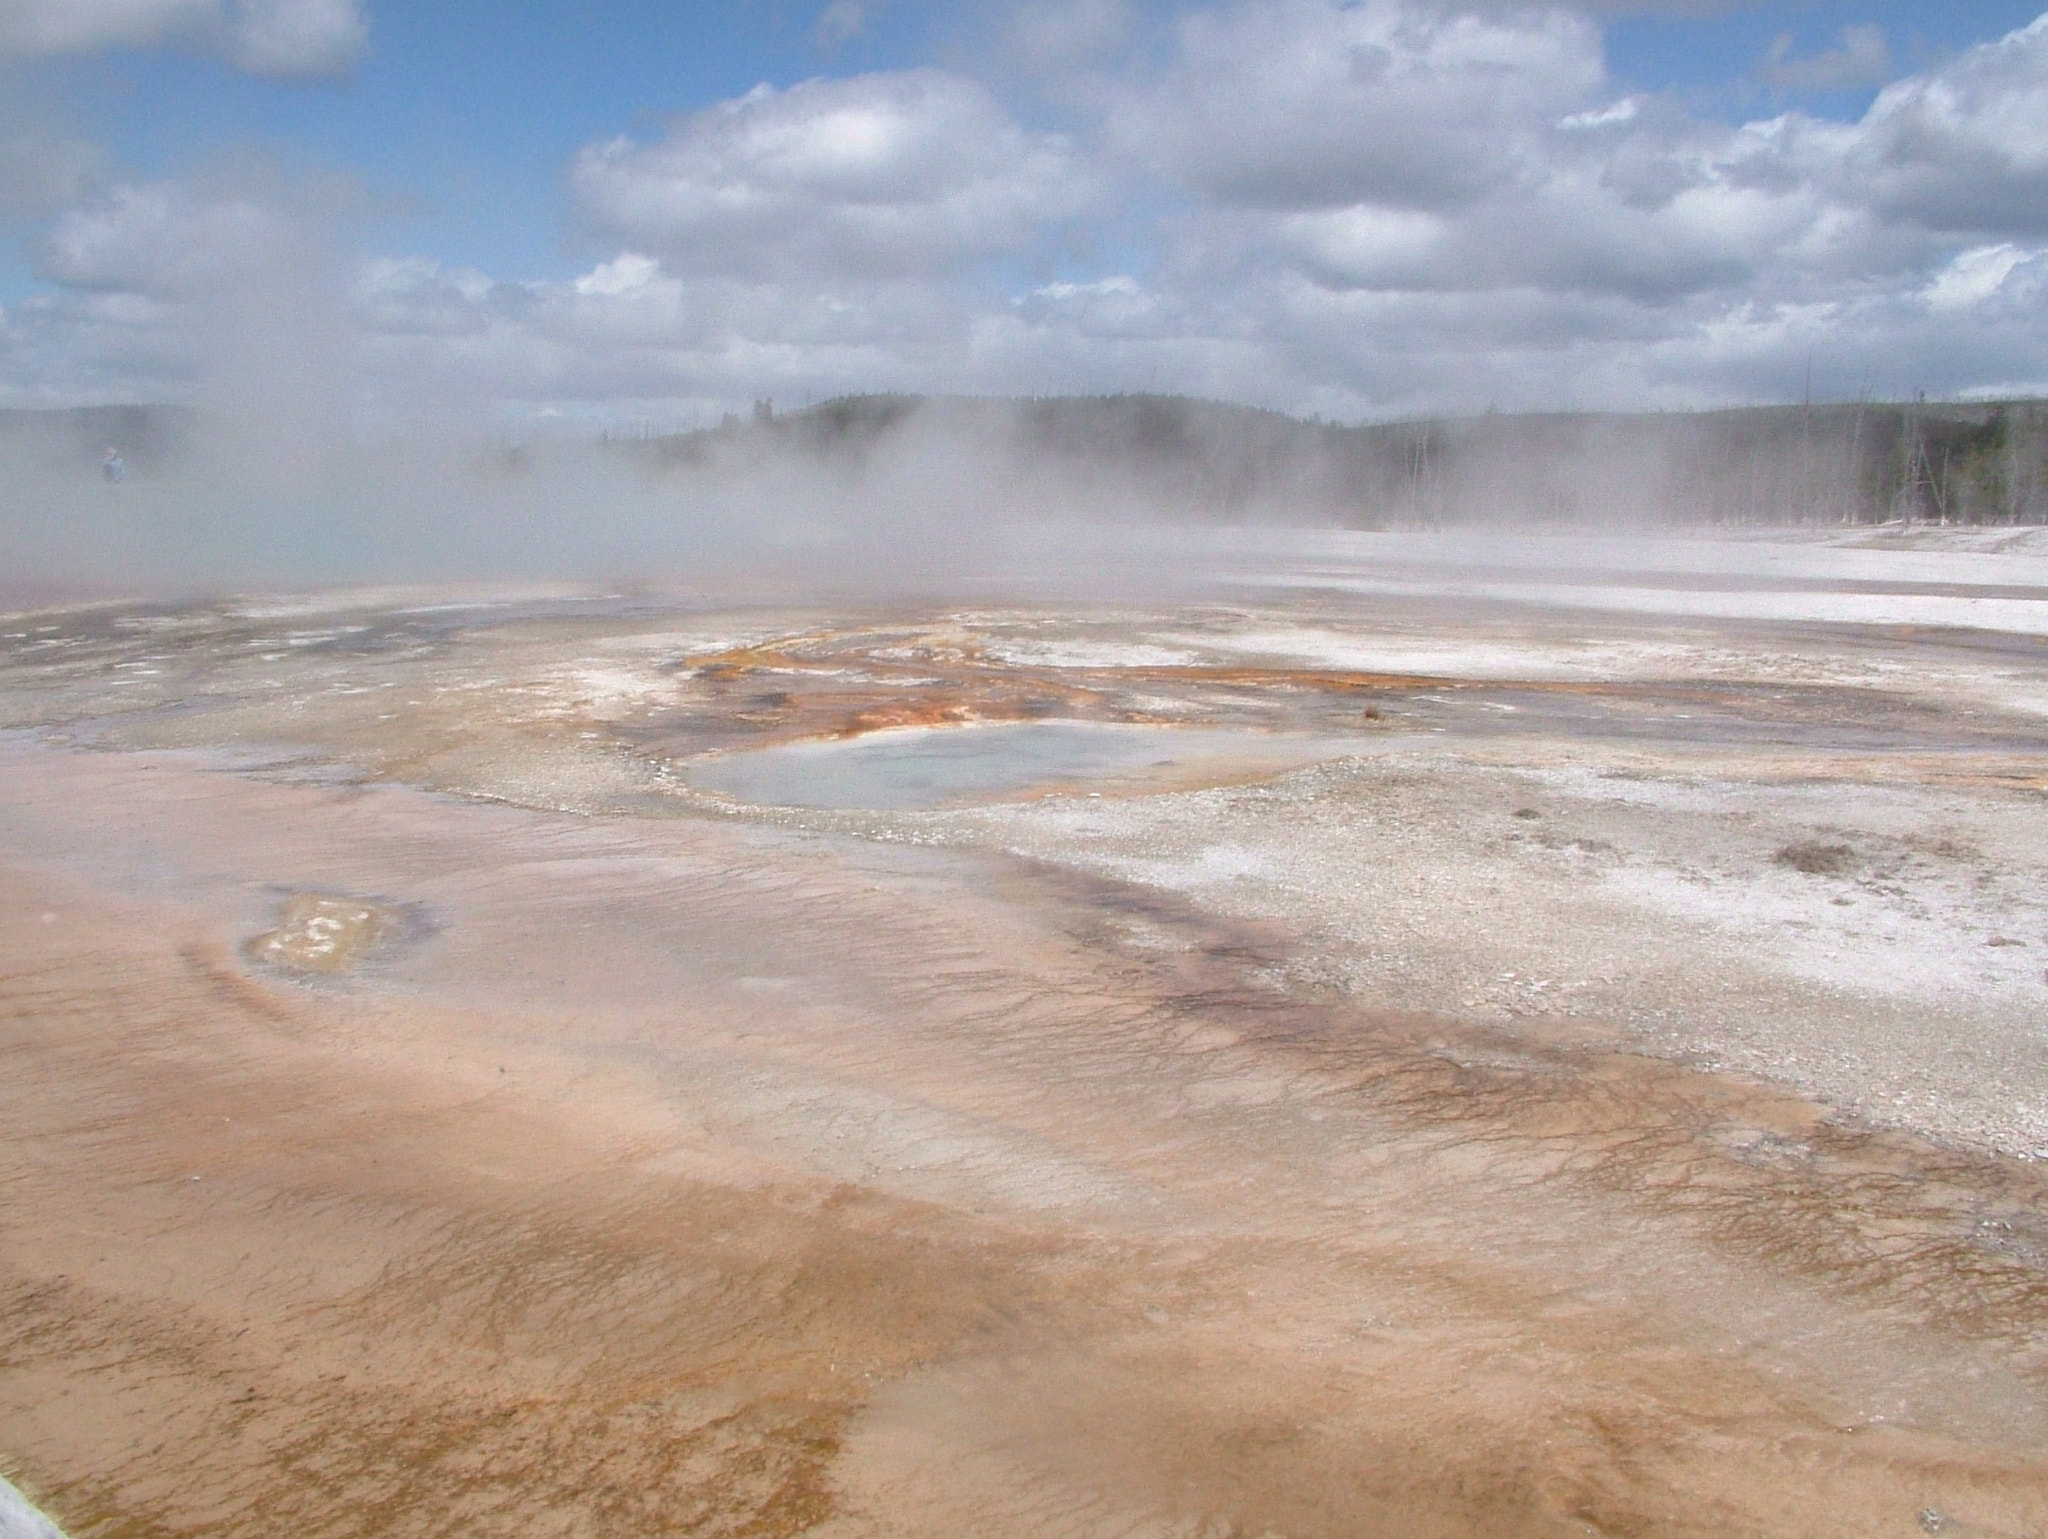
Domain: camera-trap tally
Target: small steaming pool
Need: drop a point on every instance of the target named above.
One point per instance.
(915, 767)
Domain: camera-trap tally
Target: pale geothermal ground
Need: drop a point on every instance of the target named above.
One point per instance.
(1384, 1036)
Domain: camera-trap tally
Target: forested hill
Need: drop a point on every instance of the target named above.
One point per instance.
(1979, 463)
(1865, 462)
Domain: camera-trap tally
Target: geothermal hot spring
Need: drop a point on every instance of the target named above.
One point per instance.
(1385, 1037)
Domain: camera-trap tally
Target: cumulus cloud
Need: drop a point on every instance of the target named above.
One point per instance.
(1985, 274)
(414, 297)
(1423, 208)
(1354, 208)
(1307, 104)
(625, 330)
(1963, 148)
(1391, 147)
(879, 176)
(288, 38)
(297, 37)
(162, 241)
(82, 26)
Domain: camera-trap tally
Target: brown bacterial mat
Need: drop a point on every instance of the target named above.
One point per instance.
(709, 1174)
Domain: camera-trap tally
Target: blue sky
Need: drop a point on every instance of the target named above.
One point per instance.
(1309, 203)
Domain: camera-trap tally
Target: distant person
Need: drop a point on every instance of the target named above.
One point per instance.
(114, 468)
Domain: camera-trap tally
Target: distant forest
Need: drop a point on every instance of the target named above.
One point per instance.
(1977, 463)
(1868, 462)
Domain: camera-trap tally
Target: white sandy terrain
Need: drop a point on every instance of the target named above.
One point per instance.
(1910, 985)
(1817, 606)
(1891, 554)
(19, 1518)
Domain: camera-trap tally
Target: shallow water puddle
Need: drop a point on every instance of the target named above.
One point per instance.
(915, 767)
(317, 933)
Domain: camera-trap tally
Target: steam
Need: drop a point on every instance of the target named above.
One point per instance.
(281, 466)
(894, 494)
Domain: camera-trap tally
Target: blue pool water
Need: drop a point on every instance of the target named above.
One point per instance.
(938, 766)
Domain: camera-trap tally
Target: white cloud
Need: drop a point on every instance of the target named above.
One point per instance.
(624, 274)
(879, 176)
(160, 240)
(414, 297)
(1309, 104)
(1116, 307)
(1366, 246)
(1962, 148)
(625, 330)
(1623, 111)
(1347, 208)
(1977, 275)
(297, 37)
(1421, 208)
(266, 37)
(82, 26)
